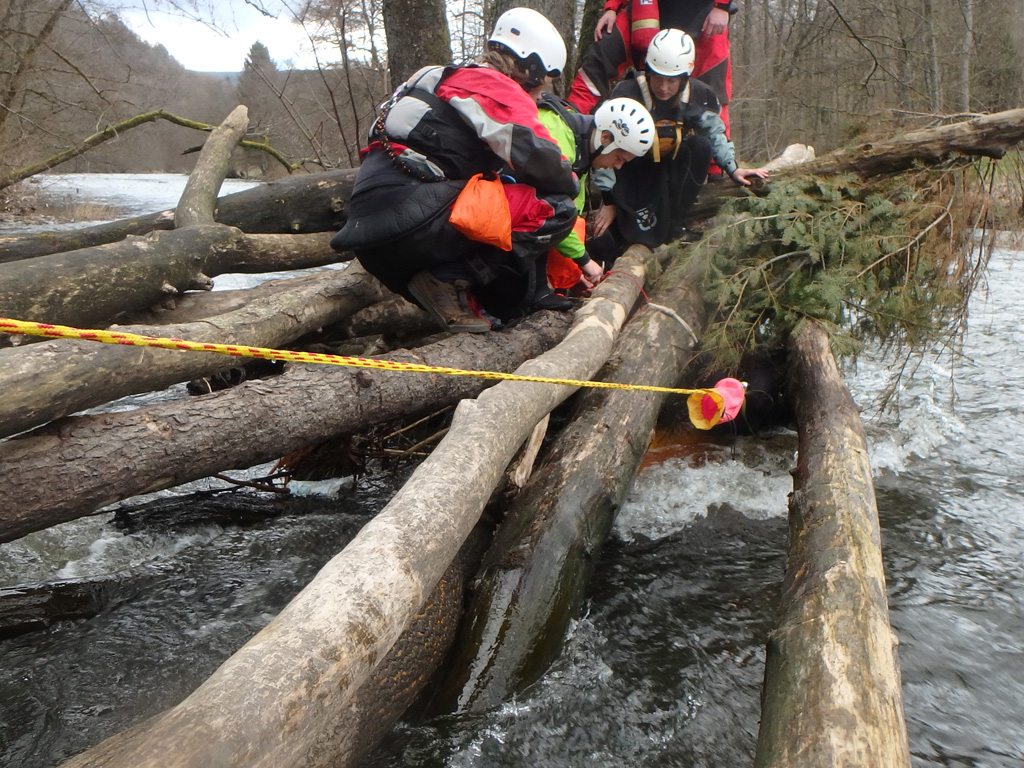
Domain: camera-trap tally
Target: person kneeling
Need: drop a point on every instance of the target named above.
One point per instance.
(430, 216)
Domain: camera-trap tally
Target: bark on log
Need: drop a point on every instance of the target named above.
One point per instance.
(533, 578)
(198, 201)
(58, 377)
(393, 316)
(94, 285)
(832, 684)
(296, 205)
(276, 702)
(199, 305)
(77, 465)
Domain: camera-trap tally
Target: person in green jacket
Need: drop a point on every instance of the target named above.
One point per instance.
(620, 130)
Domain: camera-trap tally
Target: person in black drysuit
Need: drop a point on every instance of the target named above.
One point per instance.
(647, 201)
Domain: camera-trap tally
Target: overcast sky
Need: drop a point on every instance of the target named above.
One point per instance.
(199, 47)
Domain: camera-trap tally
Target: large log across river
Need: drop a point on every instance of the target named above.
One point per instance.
(832, 684)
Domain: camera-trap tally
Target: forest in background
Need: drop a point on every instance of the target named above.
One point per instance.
(820, 72)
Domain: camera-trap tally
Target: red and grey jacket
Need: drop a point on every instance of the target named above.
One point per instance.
(453, 122)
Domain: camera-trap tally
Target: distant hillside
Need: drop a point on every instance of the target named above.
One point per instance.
(76, 75)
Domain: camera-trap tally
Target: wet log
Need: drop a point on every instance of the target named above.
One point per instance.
(533, 578)
(76, 465)
(832, 683)
(277, 701)
(58, 377)
(296, 205)
(32, 607)
(92, 286)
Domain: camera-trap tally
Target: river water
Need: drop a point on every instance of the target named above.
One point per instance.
(665, 667)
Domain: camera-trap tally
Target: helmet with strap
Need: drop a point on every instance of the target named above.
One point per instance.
(671, 53)
(530, 37)
(629, 123)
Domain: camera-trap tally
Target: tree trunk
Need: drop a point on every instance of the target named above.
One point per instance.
(58, 377)
(534, 576)
(94, 285)
(271, 703)
(832, 684)
(296, 205)
(417, 35)
(77, 465)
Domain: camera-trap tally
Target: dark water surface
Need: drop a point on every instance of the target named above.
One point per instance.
(665, 668)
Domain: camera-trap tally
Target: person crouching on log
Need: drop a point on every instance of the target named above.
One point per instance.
(620, 130)
(648, 201)
(434, 213)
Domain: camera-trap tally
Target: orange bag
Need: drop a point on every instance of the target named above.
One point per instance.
(563, 273)
(481, 212)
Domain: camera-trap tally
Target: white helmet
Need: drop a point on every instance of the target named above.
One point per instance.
(527, 33)
(629, 123)
(671, 53)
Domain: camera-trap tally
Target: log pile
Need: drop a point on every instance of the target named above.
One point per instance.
(302, 692)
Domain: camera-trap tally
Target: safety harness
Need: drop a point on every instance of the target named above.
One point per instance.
(670, 132)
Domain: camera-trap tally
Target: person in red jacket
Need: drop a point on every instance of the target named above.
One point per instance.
(441, 128)
(627, 28)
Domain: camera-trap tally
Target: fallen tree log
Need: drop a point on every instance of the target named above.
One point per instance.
(832, 685)
(277, 701)
(79, 464)
(58, 377)
(92, 286)
(198, 305)
(533, 578)
(297, 205)
(985, 136)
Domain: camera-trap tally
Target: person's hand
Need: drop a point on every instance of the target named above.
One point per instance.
(741, 175)
(716, 22)
(604, 219)
(606, 24)
(592, 273)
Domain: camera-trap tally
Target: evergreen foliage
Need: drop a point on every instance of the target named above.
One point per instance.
(893, 262)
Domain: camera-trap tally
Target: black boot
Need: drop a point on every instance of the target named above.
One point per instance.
(543, 296)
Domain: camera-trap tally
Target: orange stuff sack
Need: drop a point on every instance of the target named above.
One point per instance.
(481, 213)
(563, 274)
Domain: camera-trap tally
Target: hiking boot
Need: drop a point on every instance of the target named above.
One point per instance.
(441, 300)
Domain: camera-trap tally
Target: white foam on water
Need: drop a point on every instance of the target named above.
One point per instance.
(667, 497)
(330, 489)
(119, 552)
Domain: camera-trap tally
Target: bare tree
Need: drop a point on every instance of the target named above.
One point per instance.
(417, 34)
